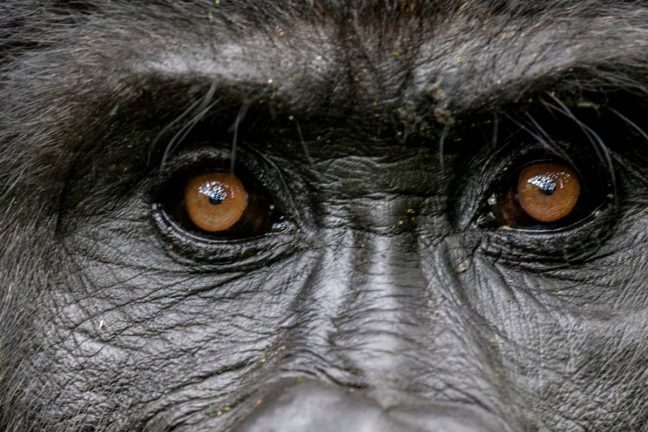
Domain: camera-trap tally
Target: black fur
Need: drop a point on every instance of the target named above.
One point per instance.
(99, 100)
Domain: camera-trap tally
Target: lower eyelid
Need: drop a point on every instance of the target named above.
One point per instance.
(226, 255)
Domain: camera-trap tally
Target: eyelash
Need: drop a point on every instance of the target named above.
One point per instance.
(221, 252)
(539, 248)
(503, 198)
(170, 196)
(482, 217)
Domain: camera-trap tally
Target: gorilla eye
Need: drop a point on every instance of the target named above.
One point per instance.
(542, 195)
(548, 192)
(216, 204)
(215, 201)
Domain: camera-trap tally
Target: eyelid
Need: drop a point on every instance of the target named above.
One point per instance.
(476, 188)
(595, 193)
(543, 250)
(235, 254)
(276, 178)
(493, 170)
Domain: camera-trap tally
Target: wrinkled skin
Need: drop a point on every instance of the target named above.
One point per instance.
(380, 302)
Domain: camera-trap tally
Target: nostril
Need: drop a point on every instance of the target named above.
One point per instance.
(291, 406)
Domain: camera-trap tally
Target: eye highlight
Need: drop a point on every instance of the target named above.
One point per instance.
(544, 195)
(548, 192)
(211, 204)
(215, 201)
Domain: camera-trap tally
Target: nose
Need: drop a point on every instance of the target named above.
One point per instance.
(292, 406)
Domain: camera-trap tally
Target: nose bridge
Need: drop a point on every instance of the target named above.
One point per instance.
(403, 325)
(390, 321)
(381, 328)
(371, 222)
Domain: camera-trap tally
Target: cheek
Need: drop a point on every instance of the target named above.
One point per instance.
(127, 315)
(563, 342)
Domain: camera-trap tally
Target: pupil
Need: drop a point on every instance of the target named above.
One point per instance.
(214, 191)
(546, 184)
(215, 200)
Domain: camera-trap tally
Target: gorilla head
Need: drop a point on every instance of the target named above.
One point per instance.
(257, 216)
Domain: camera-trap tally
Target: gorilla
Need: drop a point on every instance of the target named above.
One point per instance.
(324, 215)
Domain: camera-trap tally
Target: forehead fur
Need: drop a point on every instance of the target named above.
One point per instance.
(61, 62)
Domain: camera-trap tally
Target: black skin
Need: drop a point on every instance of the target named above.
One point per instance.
(383, 298)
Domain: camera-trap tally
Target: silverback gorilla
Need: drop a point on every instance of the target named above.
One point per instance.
(324, 215)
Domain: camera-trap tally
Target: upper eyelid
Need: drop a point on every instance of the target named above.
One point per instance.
(249, 163)
(494, 174)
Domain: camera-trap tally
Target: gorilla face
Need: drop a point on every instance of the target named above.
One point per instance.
(254, 216)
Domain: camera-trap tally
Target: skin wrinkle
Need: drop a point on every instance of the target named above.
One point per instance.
(111, 324)
(115, 84)
(521, 55)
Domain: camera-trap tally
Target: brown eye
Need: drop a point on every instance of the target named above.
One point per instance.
(208, 204)
(548, 192)
(542, 195)
(215, 201)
